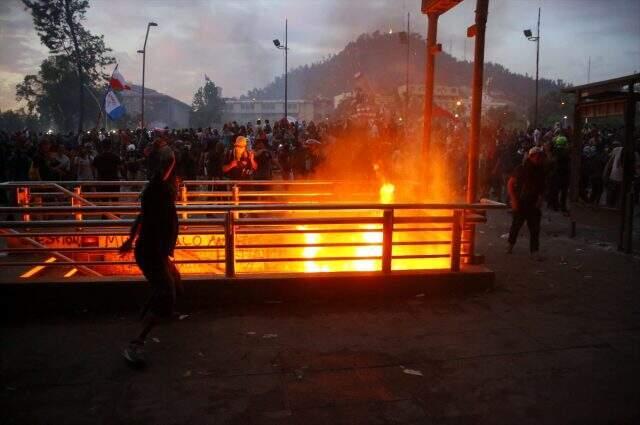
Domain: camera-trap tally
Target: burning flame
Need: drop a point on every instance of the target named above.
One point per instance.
(319, 248)
(387, 193)
(370, 238)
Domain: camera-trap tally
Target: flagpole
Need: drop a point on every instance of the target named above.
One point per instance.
(106, 118)
(97, 102)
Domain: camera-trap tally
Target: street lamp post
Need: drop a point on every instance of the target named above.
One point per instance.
(536, 38)
(406, 100)
(278, 45)
(144, 58)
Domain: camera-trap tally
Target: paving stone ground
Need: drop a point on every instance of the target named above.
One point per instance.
(555, 342)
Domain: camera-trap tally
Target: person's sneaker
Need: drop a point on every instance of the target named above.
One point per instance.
(134, 353)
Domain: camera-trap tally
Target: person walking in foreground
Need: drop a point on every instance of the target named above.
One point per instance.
(526, 189)
(156, 230)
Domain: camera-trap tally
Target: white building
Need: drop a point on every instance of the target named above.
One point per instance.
(450, 98)
(338, 99)
(244, 111)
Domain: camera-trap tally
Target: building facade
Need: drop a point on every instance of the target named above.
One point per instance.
(251, 110)
(453, 99)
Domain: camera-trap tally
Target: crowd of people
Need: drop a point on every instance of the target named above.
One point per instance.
(203, 153)
(600, 165)
(298, 150)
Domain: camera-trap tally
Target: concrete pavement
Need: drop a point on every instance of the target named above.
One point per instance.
(555, 342)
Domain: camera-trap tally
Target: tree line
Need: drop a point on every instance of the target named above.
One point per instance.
(67, 91)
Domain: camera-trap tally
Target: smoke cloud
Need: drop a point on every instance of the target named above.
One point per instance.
(231, 40)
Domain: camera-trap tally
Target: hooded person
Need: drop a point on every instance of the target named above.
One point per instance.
(155, 232)
(240, 163)
(526, 188)
(158, 154)
(264, 160)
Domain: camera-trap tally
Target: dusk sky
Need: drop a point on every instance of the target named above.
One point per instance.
(230, 41)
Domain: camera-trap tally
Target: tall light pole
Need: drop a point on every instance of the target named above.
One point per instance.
(278, 45)
(536, 38)
(406, 100)
(144, 58)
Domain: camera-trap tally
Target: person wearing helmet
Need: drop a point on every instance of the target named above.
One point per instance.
(240, 162)
(526, 188)
(155, 232)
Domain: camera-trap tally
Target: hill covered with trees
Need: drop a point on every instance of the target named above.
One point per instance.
(381, 57)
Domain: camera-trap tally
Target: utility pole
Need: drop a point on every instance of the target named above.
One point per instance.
(535, 119)
(144, 60)
(477, 30)
(286, 72)
(278, 45)
(476, 99)
(432, 49)
(433, 9)
(536, 38)
(406, 100)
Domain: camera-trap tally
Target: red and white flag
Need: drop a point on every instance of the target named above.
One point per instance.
(117, 81)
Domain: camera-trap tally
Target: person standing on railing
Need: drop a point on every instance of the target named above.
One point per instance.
(526, 188)
(156, 231)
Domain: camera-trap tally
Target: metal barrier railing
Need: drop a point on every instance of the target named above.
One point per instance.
(388, 229)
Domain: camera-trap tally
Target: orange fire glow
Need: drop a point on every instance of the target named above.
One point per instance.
(387, 192)
(314, 248)
(367, 245)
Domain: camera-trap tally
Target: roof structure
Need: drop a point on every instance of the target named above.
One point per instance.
(605, 98)
(617, 96)
(438, 6)
(605, 85)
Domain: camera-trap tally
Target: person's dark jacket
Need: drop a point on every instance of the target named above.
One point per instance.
(159, 227)
(529, 184)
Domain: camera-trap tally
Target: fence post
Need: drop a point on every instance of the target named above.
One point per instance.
(230, 244)
(23, 197)
(456, 233)
(235, 195)
(184, 200)
(387, 240)
(627, 234)
(74, 202)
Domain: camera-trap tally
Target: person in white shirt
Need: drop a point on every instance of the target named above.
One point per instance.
(614, 173)
(82, 165)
